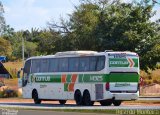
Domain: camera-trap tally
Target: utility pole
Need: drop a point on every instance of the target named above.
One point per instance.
(23, 50)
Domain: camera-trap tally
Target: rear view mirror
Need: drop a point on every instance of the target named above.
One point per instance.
(19, 73)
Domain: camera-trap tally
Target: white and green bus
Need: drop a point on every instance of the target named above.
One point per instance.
(84, 76)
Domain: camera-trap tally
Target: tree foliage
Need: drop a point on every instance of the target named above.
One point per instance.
(5, 47)
(112, 25)
(96, 25)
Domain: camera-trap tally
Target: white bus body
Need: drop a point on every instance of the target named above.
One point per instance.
(83, 76)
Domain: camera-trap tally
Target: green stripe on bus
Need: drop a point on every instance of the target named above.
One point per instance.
(68, 80)
(123, 77)
(90, 78)
(135, 62)
(66, 86)
(113, 77)
(47, 78)
(122, 62)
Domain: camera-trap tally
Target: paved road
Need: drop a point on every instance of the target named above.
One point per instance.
(14, 111)
(36, 112)
(73, 106)
(46, 107)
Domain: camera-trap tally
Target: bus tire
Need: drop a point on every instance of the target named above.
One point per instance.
(117, 102)
(62, 102)
(87, 99)
(78, 97)
(35, 97)
(106, 102)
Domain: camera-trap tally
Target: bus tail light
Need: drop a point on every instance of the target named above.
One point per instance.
(107, 86)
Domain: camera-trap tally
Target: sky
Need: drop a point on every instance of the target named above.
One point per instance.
(25, 14)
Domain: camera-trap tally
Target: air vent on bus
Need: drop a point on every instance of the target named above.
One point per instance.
(108, 51)
(76, 53)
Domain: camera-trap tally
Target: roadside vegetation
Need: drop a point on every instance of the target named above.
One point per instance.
(94, 25)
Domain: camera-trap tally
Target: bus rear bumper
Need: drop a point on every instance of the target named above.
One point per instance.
(125, 96)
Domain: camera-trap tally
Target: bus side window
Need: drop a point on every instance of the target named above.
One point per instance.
(27, 68)
(36, 65)
(100, 63)
(63, 64)
(84, 64)
(93, 63)
(73, 64)
(53, 65)
(26, 72)
(44, 65)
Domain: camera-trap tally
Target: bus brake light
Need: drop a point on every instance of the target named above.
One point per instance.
(107, 86)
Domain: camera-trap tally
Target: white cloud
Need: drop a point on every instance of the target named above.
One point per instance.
(28, 2)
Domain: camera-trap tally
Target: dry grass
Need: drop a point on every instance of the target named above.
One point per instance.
(11, 83)
(13, 65)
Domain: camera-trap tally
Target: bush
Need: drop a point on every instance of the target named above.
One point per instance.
(8, 93)
(148, 82)
(13, 72)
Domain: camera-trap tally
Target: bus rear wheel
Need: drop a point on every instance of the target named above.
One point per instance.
(35, 98)
(62, 102)
(87, 99)
(117, 102)
(106, 102)
(78, 97)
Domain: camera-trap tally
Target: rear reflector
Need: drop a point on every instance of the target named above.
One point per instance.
(107, 86)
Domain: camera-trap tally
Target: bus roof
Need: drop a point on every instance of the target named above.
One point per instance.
(67, 54)
(75, 53)
(81, 53)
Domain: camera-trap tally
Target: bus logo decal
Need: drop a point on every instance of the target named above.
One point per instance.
(69, 85)
(63, 78)
(96, 78)
(131, 62)
(127, 62)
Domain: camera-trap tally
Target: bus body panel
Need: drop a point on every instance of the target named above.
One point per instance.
(121, 71)
(124, 75)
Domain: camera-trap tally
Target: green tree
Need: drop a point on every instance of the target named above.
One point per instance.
(50, 42)
(30, 49)
(112, 25)
(16, 41)
(5, 47)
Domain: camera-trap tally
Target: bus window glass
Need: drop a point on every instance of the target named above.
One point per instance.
(36, 65)
(63, 64)
(100, 63)
(53, 65)
(93, 62)
(73, 64)
(84, 64)
(44, 65)
(27, 67)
